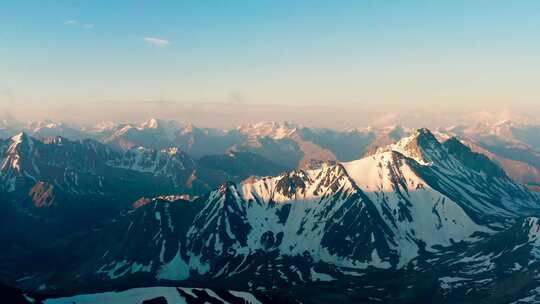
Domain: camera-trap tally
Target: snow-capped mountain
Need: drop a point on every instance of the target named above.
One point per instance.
(41, 129)
(515, 145)
(26, 160)
(450, 165)
(506, 131)
(380, 208)
(102, 129)
(199, 176)
(273, 129)
(505, 135)
(171, 163)
(291, 146)
(303, 144)
(159, 134)
(407, 209)
(287, 144)
(295, 145)
(78, 183)
(154, 134)
(520, 171)
(50, 128)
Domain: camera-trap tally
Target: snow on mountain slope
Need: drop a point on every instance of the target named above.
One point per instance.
(287, 138)
(168, 128)
(208, 172)
(407, 205)
(304, 215)
(506, 258)
(520, 171)
(14, 165)
(273, 129)
(419, 216)
(507, 139)
(101, 130)
(380, 212)
(504, 131)
(159, 134)
(477, 184)
(415, 216)
(164, 295)
(165, 162)
(153, 134)
(76, 182)
(36, 126)
(51, 128)
(296, 213)
(56, 160)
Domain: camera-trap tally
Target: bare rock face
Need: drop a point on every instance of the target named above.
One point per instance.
(42, 194)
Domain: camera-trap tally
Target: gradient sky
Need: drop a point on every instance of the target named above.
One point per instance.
(395, 54)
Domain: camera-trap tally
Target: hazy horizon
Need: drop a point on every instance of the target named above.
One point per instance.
(363, 62)
(229, 115)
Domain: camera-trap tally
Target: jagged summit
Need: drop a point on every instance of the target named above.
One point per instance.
(421, 145)
(20, 143)
(20, 137)
(421, 137)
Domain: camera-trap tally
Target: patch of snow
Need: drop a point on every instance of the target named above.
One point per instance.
(317, 276)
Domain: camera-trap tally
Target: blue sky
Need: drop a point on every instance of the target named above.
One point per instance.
(393, 53)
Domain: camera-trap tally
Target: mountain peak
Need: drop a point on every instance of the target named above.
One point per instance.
(423, 132)
(19, 138)
(419, 145)
(36, 126)
(226, 187)
(169, 128)
(19, 150)
(274, 129)
(152, 123)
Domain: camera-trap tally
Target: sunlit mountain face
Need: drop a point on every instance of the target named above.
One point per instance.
(271, 212)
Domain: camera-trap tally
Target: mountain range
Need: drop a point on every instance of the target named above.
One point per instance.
(514, 146)
(280, 212)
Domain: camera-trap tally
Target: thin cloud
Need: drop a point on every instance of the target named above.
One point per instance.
(76, 23)
(159, 42)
